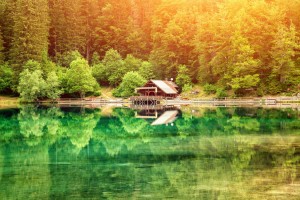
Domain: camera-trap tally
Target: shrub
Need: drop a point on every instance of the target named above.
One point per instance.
(209, 89)
(221, 93)
(187, 87)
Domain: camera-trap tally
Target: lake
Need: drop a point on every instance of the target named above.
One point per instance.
(122, 153)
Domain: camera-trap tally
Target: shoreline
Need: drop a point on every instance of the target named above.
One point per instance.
(255, 101)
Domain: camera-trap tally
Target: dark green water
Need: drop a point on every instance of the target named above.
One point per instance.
(206, 153)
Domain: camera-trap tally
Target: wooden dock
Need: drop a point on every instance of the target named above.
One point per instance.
(146, 100)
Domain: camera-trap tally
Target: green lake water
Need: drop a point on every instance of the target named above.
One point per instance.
(118, 153)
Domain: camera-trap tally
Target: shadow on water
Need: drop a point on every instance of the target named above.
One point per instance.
(121, 153)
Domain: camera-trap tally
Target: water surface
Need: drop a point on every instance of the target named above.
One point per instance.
(115, 153)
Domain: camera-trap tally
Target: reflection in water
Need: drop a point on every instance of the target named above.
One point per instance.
(163, 115)
(217, 153)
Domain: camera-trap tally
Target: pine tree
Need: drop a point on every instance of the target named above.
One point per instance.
(1, 48)
(284, 73)
(7, 23)
(113, 27)
(173, 30)
(241, 67)
(30, 33)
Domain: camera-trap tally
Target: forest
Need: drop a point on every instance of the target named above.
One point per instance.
(53, 48)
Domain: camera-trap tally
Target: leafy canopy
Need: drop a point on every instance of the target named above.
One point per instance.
(130, 81)
(79, 78)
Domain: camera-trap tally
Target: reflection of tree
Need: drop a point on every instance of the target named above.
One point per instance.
(130, 124)
(110, 133)
(9, 125)
(222, 153)
(39, 125)
(79, 126)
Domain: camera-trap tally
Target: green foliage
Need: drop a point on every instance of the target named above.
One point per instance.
(79, 78)
(95, 59)
(67, 58)
(31, 85)
(6, 75)
(242, 67)
(52, 90)
(285, 74)
(48, 66)
(130, 81)
(97, 93)
(248, 81)
(72, 26)
(221, 93)
(1, 47)
(209, 89)
(131, 63)
(32, 66)
(99, 73)
(187, 87)
(183, 78)
(30, 33)
(147, 70)
(114, 67)
(238, 45)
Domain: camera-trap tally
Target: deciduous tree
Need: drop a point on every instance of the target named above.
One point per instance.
(79, 78)
(130, 81)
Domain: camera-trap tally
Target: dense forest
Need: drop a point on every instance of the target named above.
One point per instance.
(50, 48)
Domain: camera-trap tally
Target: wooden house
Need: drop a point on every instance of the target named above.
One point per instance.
(158, 88)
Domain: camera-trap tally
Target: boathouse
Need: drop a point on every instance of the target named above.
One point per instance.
(154, 91)
(159, 88)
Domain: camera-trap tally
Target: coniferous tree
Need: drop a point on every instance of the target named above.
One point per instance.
(67, 28)
(30, 33)
(241, 67)
(7, 10)
(284, 71)
(1, 48)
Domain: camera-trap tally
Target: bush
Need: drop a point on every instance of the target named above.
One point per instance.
(187, 87)
(221, 93)
(209, 89)
(6, 75)
(97, 93)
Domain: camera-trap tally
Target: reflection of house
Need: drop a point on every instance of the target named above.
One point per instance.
(167, 117)
(158, 88)
(161, 115)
